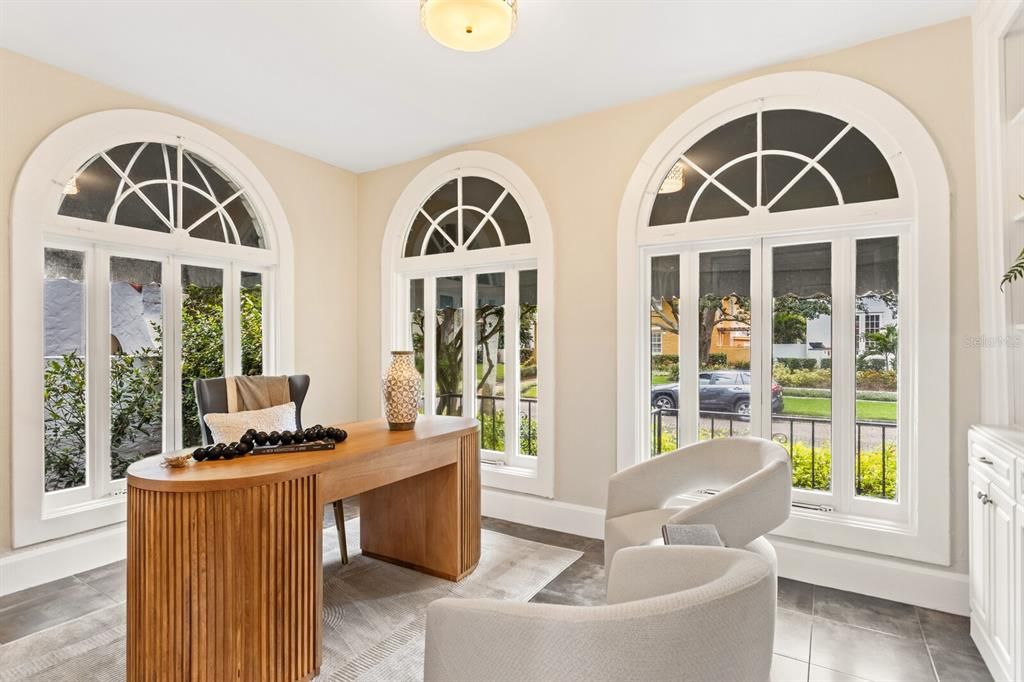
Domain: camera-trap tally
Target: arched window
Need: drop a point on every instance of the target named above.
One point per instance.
(141, 266)
(777, 239)
(467, 263)
(162, 187)
(779, 159)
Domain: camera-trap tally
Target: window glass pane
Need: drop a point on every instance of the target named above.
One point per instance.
(194, 206)
(417, 233)
(723, 341)
(714, 203)
(812, 190)
(776, 172)
(416, 314)
(800, 131)
(741, 180)
(859, 169)
(134, 212)
(64, 334)
(448, 224)
(725, 143)
(802, 360)
(511, 221)
(490, 360)
(97, 188)
(202, 339)
(448, 346)
(480, 192)
(136, 362)
(675, 195)
(528, 415)
(877, 336)
(443, 202)
(486, 237)
(251, 293)
(243, 216)
(665, 358)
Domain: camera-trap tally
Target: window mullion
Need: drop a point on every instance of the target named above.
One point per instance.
(174, 318)
(511, 362)
(429, 345)
(468, 345)
(760, 389)
(689, 351)
(232, 320)
(844, 367)
(169, 340)
(98, 371)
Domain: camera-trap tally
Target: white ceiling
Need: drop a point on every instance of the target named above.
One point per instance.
(359, 84)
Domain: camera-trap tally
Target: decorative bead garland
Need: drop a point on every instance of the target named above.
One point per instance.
(252, 439)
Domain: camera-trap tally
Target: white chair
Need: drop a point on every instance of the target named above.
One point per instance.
(753, 484)
(673, 613)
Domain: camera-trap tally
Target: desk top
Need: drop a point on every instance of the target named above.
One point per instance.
(365, 439)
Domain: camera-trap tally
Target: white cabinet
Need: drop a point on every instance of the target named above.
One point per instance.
(997, 548)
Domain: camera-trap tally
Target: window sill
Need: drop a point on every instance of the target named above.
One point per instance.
(860, 533)
(516, 479)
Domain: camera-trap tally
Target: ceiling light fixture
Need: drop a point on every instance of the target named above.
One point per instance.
(469, 25)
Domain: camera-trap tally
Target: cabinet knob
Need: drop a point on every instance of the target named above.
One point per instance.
(985, 499)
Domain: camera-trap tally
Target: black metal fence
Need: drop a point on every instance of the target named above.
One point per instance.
(796, 432)
(491, 414)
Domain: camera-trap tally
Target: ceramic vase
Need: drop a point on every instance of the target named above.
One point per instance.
(402, 389)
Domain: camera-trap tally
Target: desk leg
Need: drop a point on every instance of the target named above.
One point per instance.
(224, 585)
(429, 522)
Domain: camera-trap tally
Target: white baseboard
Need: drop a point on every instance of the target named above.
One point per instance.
(40, 564)
(875, 576)
(852, 571)
(543, 513)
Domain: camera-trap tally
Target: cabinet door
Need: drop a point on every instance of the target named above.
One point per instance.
(1018, 581)
(1001, 616)
(980, 547)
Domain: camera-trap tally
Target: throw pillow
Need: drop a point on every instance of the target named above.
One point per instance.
(229, 427)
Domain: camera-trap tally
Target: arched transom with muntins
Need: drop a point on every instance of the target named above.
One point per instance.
(776, 160)
(466, 213)
(163, 188)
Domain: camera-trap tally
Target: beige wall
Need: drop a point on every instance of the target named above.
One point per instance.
(319, 200)
(581, 166)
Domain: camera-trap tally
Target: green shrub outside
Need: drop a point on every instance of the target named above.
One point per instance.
(492, 432)
(136, 380)
(867, 380)
(815, 473)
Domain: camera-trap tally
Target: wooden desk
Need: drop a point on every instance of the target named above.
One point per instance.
(224, 558)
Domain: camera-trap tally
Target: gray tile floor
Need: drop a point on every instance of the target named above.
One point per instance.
(821, 634)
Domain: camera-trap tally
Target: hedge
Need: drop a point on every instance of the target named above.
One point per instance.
(880, 396)
(867, 380)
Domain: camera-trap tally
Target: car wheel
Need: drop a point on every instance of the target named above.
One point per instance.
(742, 408)
(664, 402)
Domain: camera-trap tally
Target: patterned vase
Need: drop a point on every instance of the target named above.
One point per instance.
(402, 387)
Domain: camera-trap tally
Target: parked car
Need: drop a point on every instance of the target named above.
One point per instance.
(720, 391)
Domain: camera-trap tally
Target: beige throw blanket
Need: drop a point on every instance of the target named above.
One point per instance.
(256, 393)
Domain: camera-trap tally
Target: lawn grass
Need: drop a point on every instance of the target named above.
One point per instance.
(868, 410)
(497, 374)
(659, 379)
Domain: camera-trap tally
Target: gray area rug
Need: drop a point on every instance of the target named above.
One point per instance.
(374, 615)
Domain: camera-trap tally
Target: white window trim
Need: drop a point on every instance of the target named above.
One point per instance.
(34, 222)
(534, 479)
(923, 205)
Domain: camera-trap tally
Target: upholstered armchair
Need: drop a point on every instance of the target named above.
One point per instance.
(674, 613)
(752, 483)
